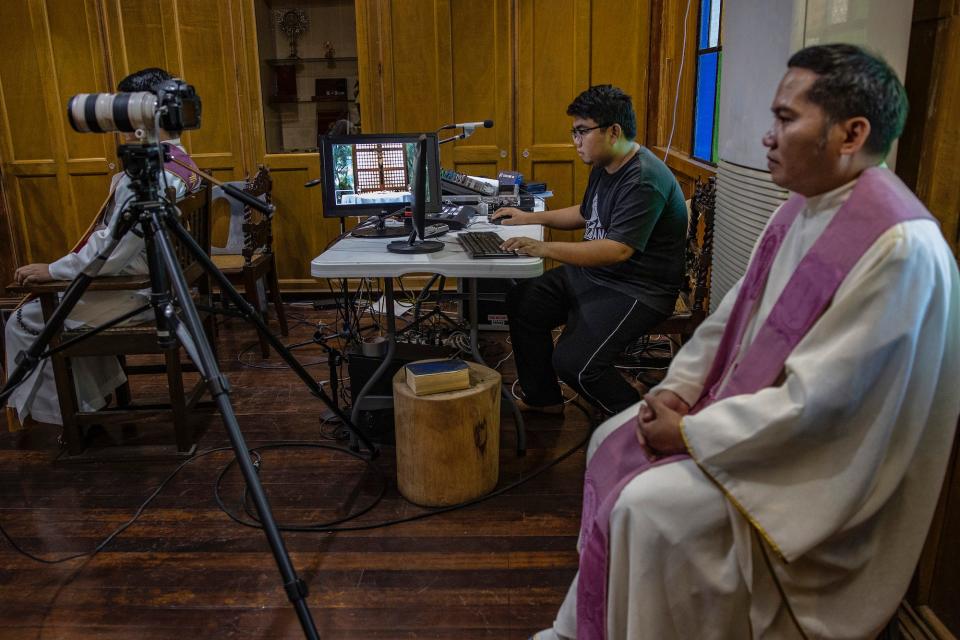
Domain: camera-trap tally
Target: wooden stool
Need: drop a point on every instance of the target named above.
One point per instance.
(448, 444)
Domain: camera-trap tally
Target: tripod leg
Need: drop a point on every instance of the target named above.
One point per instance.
(219, 389)
(253, 316)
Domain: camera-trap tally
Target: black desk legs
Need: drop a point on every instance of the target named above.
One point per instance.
(475, 350)
(363, 399)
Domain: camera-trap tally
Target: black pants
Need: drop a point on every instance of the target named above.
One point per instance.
(600, 324)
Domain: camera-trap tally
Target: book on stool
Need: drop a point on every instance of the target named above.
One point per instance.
(436, 376)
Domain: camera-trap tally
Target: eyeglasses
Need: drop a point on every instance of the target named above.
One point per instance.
(579, 132)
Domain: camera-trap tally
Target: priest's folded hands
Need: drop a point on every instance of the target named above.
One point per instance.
(658, 423)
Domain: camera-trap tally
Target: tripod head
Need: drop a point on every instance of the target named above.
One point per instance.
(143, 163)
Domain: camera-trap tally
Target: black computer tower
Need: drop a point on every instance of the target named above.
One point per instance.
(378, 424)
(492, 313)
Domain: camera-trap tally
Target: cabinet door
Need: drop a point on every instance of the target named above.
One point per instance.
(481, 85)
(442, 62)
(196, 41)
(553, 66)
(55, 178)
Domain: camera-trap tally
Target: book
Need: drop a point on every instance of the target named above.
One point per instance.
(435, 376)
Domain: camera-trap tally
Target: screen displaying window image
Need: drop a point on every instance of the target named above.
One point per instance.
(369, 173)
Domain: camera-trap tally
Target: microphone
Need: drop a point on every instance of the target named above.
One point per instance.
(485, 124)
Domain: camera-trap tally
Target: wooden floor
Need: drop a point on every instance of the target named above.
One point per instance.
(185, 570)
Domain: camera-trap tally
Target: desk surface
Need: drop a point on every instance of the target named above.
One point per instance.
(368, 257)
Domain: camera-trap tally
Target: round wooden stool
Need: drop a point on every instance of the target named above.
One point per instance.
(448, 444)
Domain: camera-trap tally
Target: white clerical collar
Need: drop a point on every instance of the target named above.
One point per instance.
(829, 200)
(834, 198)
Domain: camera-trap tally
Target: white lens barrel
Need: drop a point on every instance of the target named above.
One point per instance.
(101, 112)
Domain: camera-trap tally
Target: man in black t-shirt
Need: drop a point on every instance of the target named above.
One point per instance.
(617, 284)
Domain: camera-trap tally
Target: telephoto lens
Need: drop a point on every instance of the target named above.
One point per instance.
(102, 112)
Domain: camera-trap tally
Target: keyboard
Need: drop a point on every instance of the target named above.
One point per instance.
(485, 244)
(455, 217)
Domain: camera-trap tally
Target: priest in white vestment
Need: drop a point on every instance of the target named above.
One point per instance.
(95, 377)
(802, 508)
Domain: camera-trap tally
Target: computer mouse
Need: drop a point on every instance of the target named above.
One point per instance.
(497, 221)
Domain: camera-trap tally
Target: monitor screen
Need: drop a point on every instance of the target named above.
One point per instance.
(367, 174)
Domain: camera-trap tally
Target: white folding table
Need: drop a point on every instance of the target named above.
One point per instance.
(353, 257)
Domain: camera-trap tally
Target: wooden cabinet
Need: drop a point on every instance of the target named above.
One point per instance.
(197, 41)
(420, 64)
(518, 62)
(56, 178)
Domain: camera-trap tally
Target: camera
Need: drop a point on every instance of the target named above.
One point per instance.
(176, 101)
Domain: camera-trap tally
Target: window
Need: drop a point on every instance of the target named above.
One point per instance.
(380, 167)
(706, 100)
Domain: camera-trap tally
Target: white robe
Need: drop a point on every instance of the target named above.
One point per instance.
(840, 466)
(94, 377)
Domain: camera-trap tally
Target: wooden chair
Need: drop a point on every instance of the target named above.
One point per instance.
(691, 306)
(137, 339)
(248, 257)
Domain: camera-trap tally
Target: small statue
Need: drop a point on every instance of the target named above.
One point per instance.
(292, 23)
(330, 54)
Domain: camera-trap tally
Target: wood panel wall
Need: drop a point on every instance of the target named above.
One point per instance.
(927, 162)
(519, 62)
(196, 41)
(56, 178)
(422, 64)
(670, 98)
(8, 257)
(300, 231)
(930, 145)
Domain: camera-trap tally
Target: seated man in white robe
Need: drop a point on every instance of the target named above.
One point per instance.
(780, 481)
(96, 377)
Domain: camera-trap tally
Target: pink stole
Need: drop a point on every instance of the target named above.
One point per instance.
(879, 200)
(191, 179)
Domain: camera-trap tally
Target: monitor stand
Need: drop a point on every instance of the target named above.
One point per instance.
(381, 230)
(417, 246)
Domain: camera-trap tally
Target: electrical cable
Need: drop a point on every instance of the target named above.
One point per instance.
(320, 527)
(516, 396)
(254, 523)
(253, 365)
(676, 96)
(116, 532)
(308, 527)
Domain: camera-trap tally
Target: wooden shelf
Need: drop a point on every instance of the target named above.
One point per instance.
(278, 100)
(275, 62)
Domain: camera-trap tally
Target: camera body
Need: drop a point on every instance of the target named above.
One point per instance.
(181, 105)
(176, 103)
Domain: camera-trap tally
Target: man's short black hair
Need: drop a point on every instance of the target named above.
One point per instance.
(606, 105)
(144, 80)
(855, 83)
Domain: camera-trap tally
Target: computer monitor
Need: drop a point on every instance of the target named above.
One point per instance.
(372, 173)
(416, 243)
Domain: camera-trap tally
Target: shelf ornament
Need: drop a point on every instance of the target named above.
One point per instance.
(292, 23)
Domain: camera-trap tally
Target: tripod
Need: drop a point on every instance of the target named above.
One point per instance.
(177, 319)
